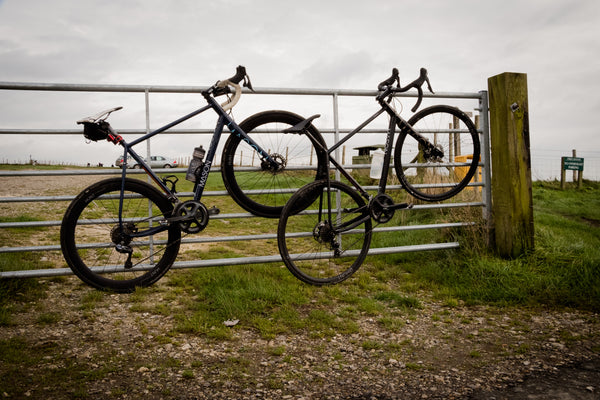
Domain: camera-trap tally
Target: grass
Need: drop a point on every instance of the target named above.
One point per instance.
(563, 271)
(389, 291)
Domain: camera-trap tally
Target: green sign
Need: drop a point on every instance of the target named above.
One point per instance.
(572, 163)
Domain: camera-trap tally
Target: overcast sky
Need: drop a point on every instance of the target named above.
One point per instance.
(308, 44)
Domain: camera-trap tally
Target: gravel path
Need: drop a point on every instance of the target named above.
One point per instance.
(117, 349)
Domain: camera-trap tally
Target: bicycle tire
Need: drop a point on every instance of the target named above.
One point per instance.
(92, 221)
(436, 179)
(316, 263)
(263, 192)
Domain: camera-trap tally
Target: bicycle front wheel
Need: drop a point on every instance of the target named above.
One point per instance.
(91, 230)
(329, 240)
(252, 182)
(442, 158)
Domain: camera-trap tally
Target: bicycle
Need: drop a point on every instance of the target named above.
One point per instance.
(328, 242)
(123, 233)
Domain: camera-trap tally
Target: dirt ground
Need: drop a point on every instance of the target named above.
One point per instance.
(118, 347)
(121, 347)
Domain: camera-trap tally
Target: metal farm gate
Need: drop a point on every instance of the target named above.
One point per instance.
(332, 133)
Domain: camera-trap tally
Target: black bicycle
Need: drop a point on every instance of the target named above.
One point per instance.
(122, 233)
(435, 157)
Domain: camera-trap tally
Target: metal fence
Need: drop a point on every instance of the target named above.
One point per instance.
(333, 132)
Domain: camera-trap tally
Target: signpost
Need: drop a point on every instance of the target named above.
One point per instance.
(572, 164)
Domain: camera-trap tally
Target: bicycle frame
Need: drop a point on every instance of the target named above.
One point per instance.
(395, 120)
(224, 119)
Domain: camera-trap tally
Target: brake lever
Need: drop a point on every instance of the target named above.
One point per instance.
(247, 82)
(389, 82)
(427, 81)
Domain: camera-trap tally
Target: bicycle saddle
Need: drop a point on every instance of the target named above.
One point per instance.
(300, 126)
(100, 116)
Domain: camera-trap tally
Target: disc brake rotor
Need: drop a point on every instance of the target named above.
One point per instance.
(279, 160)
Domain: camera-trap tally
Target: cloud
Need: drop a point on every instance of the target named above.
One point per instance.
(314, 43)
(338, 71)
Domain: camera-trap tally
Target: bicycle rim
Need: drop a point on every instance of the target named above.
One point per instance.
(310, 249)
(252, 184)
(91, 227)
(430, 177)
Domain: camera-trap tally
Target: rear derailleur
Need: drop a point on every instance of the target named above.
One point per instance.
(121, 236)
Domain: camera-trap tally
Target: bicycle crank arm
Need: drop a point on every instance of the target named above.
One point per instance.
(399, 206)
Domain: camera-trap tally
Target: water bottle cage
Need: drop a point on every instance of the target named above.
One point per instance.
(198, 171)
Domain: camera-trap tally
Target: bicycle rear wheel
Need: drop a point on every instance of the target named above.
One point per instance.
(90, 231)
(431, 172)
(252, 183)
(324, 245)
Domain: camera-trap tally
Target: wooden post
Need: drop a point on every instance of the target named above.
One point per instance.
(579, 174)
(563, 174)
(512, 202)
(574, 172)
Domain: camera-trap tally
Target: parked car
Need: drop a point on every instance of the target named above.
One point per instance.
(160, 162)
(155, 162)
(121, 160)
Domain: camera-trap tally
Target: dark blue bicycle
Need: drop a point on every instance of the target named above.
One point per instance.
(123, 233)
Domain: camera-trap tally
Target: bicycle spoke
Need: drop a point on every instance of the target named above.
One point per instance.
(442, 158)
(100, 249)
(328, 246)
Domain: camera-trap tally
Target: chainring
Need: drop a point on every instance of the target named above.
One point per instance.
(196, 216)
(380, 208)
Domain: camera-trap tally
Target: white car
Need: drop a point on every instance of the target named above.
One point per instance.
(160, 162)
(155, 162)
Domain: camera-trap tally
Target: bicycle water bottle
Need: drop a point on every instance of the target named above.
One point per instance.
(195, 164)
(376, 164)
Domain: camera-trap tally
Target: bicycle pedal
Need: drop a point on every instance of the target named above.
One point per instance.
(213, 210)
